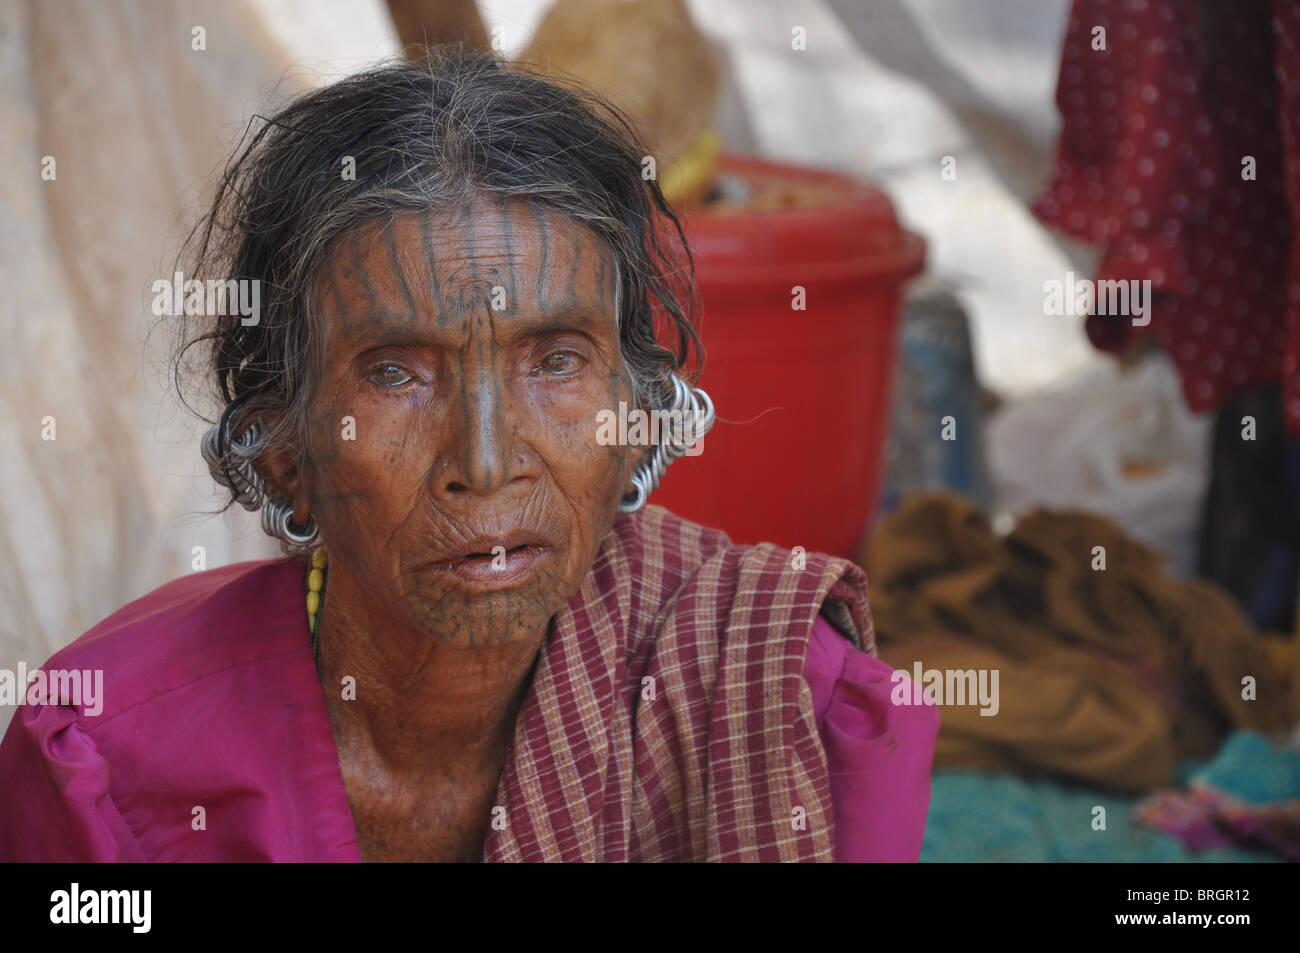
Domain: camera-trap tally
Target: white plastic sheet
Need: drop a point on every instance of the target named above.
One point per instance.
(1118, 443)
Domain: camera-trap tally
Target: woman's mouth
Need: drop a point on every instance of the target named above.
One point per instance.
(485, 564)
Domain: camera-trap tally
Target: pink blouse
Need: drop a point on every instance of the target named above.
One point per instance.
(200, 732)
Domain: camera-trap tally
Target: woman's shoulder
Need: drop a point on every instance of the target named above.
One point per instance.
(189, 629)
(204, 735)
(683, 566)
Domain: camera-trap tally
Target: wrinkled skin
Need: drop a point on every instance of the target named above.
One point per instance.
(471, 424)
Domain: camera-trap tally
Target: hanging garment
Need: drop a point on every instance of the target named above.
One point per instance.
(1179, 156)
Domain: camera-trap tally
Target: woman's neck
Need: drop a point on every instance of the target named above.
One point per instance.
(404, 693)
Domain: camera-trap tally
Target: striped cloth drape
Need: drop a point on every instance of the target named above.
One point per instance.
(669, 719)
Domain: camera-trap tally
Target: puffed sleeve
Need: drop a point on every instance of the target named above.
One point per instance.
(54, 792)
(879, 754)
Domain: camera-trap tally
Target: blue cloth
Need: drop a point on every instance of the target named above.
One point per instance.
(976, 816)
(1251, 768)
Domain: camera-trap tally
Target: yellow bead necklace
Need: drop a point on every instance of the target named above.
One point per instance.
(316, 596)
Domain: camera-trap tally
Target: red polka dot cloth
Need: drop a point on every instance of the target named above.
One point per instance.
(1179, 156)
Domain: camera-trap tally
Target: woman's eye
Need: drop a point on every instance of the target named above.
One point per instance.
(561, 362)
(389, 375)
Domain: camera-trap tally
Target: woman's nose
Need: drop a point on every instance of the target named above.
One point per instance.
(481, 456)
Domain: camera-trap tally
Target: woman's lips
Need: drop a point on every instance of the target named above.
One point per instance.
(485, 565)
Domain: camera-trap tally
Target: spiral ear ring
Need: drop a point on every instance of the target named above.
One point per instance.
(277, 515)
(235, 471)
(695, 408)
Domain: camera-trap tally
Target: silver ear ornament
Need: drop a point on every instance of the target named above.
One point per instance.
(694, 408)
(236, 472)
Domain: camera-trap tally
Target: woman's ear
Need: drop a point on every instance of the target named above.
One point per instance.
(635, 457)
(282, 476)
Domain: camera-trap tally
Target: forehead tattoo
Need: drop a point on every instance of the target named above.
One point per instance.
(459, 270)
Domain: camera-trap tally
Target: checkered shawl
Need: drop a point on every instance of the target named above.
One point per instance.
(668, 718)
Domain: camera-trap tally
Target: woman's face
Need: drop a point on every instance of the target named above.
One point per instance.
(452, 462)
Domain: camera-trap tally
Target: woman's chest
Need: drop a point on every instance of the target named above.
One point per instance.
(439, 814)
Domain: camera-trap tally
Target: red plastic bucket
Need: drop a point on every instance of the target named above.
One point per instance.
(802, 396)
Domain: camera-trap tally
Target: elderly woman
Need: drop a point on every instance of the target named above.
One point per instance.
(481, 644)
